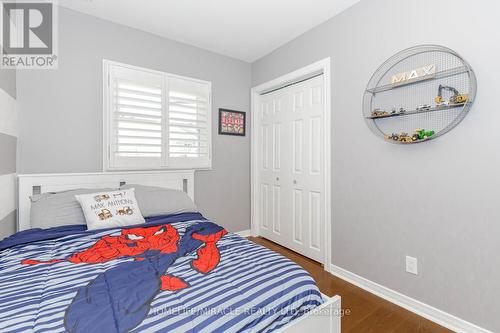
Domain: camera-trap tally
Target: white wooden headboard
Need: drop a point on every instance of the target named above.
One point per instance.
(43, 183)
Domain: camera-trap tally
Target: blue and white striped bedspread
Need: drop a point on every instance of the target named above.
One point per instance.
(251, 289)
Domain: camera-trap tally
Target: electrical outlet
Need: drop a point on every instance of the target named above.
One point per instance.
(411, 265)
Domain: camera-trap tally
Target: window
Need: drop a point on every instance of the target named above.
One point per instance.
(155, 120)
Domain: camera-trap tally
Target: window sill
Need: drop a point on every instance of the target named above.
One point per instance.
(210, 168)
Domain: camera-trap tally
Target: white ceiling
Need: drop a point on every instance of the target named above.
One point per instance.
(243, 29)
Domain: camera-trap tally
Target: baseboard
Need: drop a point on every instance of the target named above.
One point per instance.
(431, 313)
(244, 233)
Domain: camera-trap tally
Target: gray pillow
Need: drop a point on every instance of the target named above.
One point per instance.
(58, 209)
(156, 201)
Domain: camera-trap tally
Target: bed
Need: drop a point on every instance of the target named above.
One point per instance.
(52, 280)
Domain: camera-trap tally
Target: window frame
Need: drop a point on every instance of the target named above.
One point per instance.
(107, 122)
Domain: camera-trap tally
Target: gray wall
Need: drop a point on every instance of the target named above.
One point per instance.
(61, 110)
(437, 201)
(8, 145)
(8, 81)
(8, 225)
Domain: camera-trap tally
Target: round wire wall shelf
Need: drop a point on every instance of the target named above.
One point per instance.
(419, 94)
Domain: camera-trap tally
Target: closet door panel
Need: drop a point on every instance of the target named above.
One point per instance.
(307, 168)
(271, 161)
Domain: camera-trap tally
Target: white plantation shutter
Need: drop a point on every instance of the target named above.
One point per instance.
(188, 121)
(155, 120)
(135, 118)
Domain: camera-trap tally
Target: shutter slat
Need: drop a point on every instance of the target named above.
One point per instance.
(187, 120)
(194, 152)
(188, 108)
(138, 115)
(137, 92)
(120, 105)
(188, 154)
(122, 83)
(138, 111)
(188, 126)
(196, 114)
(137, 154)
(186, 146)
(138, 121)
(187, 123)
(186, 133)
(124, 149)
(194, 100)
(128, 132)
(126, 99)
(139, 137)
(188, 140)
(145, 119)
(121, 144)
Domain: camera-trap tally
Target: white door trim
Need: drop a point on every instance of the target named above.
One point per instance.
(315, 68)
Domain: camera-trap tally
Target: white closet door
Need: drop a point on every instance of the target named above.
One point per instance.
(291, 176)
(271, 176)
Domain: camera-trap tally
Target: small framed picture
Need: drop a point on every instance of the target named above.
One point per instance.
(232, 122)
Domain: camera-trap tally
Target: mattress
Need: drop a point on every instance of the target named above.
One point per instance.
(179, 273)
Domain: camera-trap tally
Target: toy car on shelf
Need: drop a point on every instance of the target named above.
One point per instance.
(404, 137)
(424, 107)
(421, 134)
(393, 136)
(455, 99)
(395, 110)
(418, 135)
(379, 113)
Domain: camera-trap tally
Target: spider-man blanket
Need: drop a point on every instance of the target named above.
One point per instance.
(176, 273)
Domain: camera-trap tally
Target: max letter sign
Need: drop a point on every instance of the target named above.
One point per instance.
(418, 74)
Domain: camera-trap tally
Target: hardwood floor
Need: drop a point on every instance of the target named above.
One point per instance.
(365, 312)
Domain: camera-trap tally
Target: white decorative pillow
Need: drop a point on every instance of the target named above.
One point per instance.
(110, 209)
